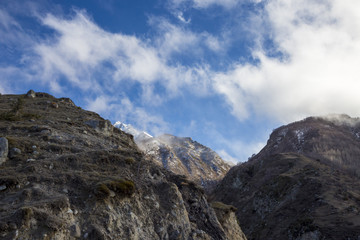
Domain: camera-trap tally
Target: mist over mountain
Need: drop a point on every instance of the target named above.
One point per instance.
(181, 155)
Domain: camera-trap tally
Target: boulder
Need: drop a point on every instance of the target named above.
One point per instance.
(103, 126)
(14, 152)
(31, 94)
(4, 149)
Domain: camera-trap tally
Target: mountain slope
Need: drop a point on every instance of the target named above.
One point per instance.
(181, 155)
(69, 174)
(303, 184)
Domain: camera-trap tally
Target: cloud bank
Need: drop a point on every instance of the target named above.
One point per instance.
(316, 71)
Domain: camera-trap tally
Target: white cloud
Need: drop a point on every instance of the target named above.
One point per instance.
(180, 16)
(227, 157)
(201, 4)
(80, 50)
(319, 73)
(237, 150)
(13, 79)
(124, 110)
(174, 39)
(207, 3)
(7, 21)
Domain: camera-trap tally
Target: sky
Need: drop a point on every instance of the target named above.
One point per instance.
(223, 72)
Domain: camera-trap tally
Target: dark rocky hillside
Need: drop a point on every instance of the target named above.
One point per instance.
(304, 184)
(67, 173)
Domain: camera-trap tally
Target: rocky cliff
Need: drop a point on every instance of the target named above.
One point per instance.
(304, 184)
(181, 155)
(67, 173)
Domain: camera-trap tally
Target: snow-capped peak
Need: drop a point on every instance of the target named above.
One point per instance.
(128, 128)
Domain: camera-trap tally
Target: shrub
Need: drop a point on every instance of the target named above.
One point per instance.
(19, 105)
(129, 160)
(125, 187)
(26, 214)
(120, 186)
(223, 206)
(15, 113)
(102, 191)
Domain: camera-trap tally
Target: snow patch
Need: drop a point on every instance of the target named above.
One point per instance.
(138, 135)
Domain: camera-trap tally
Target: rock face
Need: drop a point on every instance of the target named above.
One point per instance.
(181, 155)
(4, 148)
(304, 184)
(334, 138)
(74, 176)
(226, 215)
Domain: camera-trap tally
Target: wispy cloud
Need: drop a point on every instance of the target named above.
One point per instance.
(81, 50)
(180, 16)
(201, 4)
(233, 149)
(175, 40)
(124, 110)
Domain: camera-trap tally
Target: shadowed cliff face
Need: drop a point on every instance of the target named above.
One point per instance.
(335, 138)
(70, 174)
(304, 184)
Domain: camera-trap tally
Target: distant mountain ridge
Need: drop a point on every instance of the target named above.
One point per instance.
(334, 137)
(181, 155)
(304, 184)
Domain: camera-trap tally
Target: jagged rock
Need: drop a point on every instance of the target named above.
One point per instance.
(31, 94)
(4, 149)
(75, 231)
(67, 101)
(226, 216)
(14, 152)
(103, 126)
(54, 105)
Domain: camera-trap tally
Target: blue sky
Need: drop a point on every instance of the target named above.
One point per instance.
(224, 72)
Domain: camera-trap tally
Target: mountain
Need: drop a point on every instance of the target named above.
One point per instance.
(181, 155)
(304, 184)
(137, 134)
(67, 173)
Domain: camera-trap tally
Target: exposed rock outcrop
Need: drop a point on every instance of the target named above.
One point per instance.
(226, 215)
(75, 176)
(4, 148)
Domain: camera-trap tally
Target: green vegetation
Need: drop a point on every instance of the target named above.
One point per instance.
(120, 186)
(15, 113)
(26, 214)
(223, 206)
(102, 191)
(9, 181)
(129, 160)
